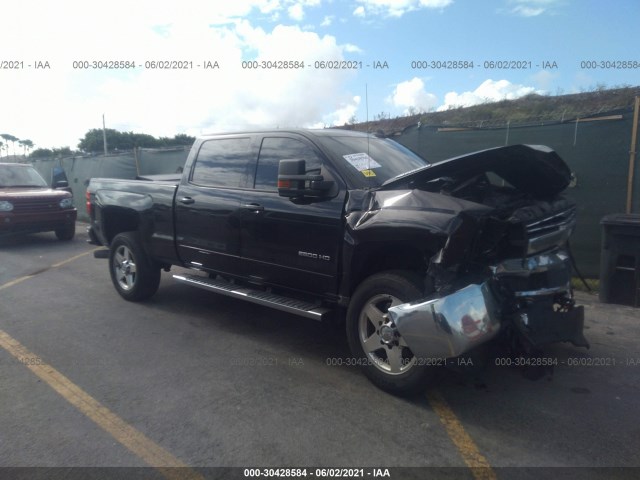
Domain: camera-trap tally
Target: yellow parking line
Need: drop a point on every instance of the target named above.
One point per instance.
(15, 282)
(55, 265)
(480, 467)
(64, 262)
(165, 462)
(138, 443)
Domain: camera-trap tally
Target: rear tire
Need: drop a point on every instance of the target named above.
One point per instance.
(134, 276)
(375, 343)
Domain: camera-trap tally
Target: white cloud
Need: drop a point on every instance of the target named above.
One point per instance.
(545, 79)
(296, 8)
(532, 8)
(525, 11)
(327, 21)
(397, 8)
(351, 48)
(411, 95)
(344, 114)
(488, 91)
(296, 12)
(55, 108)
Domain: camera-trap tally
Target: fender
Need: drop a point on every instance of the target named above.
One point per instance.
(398, 229)
(118, 211)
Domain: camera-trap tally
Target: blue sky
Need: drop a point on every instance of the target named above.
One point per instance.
(55, 106)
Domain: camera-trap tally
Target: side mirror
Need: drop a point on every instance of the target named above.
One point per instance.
(293, 181)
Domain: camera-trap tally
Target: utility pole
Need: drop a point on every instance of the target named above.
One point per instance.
(632, 155)
(104, 136)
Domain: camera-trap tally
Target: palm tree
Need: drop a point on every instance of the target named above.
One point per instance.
(13, 141)
(26, 145)
(7, 138)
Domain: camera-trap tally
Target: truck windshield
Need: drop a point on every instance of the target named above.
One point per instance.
(369, 162)
(15, 176)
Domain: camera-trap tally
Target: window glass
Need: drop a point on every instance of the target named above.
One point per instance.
(222, 162)
(369, 162)
(20, 176)
(275, 149)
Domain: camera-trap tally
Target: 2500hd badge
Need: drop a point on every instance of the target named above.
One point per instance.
(315, 256)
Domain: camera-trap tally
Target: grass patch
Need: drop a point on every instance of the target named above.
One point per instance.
(593, 283)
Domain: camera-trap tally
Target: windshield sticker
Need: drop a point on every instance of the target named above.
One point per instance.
(368, 173)
(361, 161)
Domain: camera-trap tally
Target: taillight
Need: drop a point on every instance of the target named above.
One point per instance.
(88, 204)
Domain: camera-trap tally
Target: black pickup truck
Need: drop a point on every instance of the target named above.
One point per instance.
(428, 261)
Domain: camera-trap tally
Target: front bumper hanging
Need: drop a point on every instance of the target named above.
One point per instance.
(449, 326)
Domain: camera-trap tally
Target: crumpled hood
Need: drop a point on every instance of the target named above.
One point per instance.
(411, 209)
(534, 169)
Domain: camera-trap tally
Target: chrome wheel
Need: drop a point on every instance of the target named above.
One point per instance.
(135, 276)
(382, 343)
(124, 267)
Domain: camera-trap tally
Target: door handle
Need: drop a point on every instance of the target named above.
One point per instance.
(187, 200)
(254, 207)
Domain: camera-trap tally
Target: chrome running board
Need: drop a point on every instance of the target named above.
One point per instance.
(285, 304)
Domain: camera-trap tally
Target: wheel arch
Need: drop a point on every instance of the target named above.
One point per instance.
(376, 257)
(117, 220)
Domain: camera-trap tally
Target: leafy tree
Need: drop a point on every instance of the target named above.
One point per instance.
(93, 141)
(62, 152)
(142, 140)
(41, 153)
(182, 139)
(178, 140)
(48, 152)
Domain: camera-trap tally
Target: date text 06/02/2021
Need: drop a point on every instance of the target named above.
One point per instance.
(317, 472)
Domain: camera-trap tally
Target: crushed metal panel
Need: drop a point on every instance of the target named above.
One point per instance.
(533, 169)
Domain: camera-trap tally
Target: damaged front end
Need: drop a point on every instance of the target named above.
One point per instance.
(504, 273)
(511, 299)
(445, 327)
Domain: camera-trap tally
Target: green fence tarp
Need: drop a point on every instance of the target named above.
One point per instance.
(79, 170)
(597, 151)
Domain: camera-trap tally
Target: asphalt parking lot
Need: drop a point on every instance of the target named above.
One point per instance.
(194, 380)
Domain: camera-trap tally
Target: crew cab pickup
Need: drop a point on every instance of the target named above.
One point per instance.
(28, 205)
(428, 261)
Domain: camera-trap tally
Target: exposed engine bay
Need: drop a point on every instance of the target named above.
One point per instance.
(503, 269)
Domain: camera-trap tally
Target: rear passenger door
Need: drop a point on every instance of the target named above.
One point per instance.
(208, 203)
(285, 242)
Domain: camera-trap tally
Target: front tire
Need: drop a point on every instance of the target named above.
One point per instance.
(374, 340)
(66, 233)
(133, 274)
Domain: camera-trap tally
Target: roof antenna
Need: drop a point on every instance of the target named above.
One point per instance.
(366, 101)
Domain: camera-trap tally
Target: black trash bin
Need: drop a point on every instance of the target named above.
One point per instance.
(620, 259)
